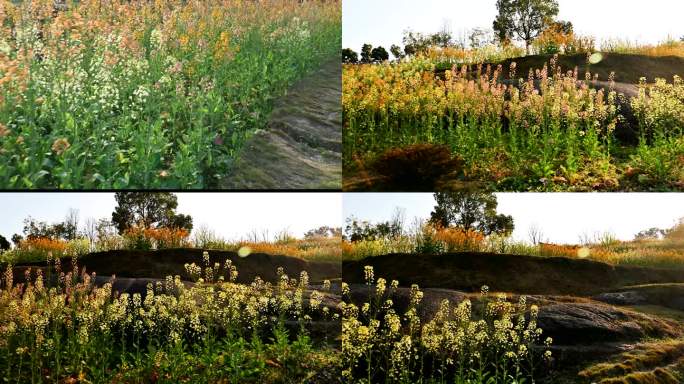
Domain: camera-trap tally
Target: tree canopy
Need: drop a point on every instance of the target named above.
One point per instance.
(471, 211)
(148, 209)
(349, 56)
(4, 244)
(397, 52)
(366, 51)
(523, 19)
(65, 230)
(379, 54)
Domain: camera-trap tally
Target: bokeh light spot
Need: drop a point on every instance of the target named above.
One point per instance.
(583, 252)
(596, 58)
(244, 251)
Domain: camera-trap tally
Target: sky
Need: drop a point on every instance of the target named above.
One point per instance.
(231, 215)
(562, 217)
(382, 22)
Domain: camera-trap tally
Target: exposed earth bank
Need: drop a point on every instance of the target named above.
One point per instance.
(170, 262)
(302, 146)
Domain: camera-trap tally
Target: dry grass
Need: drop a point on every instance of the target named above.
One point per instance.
(663, 253)
(660, 362)
(318, 248)
(669, 47)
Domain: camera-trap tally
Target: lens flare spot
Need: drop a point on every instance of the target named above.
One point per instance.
(244, 251)
(583, 252)
(596, 58)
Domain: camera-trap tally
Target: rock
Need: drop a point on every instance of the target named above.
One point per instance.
(432, 298)
(664, 295)
(587, 323)
(622, 298)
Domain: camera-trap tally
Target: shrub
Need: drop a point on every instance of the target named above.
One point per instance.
(155, 238)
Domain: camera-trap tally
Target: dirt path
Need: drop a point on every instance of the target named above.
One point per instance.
(302, 145)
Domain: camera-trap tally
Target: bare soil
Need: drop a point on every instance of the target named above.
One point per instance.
(469, 271)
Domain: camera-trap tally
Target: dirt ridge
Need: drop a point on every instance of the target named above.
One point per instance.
(302, 145)
(469, 271)
(157, 264)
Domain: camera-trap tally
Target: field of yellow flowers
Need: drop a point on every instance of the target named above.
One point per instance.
(65, 328)
(495, 342)
(549, 129)
(146, 94)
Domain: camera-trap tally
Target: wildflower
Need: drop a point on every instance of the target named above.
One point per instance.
(4, 131)
(365, 307)
(368, 273)
(345, 288)
(156, 38)
(60, 146)
(380, 287)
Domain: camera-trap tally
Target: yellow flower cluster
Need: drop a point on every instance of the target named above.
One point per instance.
(412, 92)
(455, 341)
(45, 313)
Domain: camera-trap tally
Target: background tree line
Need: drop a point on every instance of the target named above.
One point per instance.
(517, 20)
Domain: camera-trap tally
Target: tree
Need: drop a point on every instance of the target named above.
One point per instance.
(523, 19)
(397, 52)
(34, 229)
(357, 230)
(535, 234)
(415, 43)
(4, 244)
(379, 55)
(563, 26)
(150, 210)
(479, 38)
(90, 229)
(443, 39)
(323, 231)
(65, 230)
(104, 228)
(17, 239)
(349, 56)
(366, 53)
(70, 225)
(650, 234)
(471, 211)
(558, 36)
